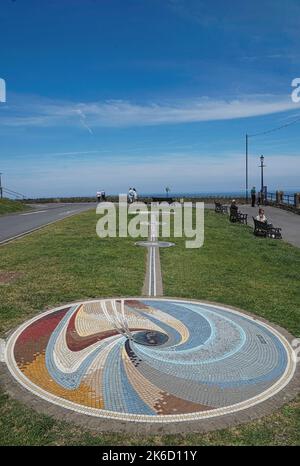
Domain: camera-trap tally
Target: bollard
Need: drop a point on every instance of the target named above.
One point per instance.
(279, 197)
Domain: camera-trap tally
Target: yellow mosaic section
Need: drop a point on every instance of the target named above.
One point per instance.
(37, 372)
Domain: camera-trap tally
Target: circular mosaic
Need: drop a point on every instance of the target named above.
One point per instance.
(150, 360)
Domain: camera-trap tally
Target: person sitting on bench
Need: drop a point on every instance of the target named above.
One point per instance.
(235, 215)
(233, 206)
(263, 228)
(262, 218)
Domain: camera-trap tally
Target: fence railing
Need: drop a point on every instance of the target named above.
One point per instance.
(271, 197)
(14, 194)
(288, 199)
(282, 198)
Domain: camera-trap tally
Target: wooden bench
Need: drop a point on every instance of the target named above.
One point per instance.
(169, 200)
(220, 209)
(266, 230)
(238, 217)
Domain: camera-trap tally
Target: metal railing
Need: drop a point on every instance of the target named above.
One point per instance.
(287, 199)
(14, 194)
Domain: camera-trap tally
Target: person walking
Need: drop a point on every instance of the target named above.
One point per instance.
(253, 196)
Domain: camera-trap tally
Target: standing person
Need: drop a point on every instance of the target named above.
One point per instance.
(130, 195)
(135, 194)
(98, 195)
(253, 196)
(103, 196)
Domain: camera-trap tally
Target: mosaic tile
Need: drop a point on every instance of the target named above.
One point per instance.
(149, 359)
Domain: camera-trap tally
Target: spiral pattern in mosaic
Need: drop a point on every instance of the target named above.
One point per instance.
(151, 360)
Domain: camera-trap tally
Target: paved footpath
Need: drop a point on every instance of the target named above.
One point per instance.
(153, 285)
(16, 225)
(288, 221)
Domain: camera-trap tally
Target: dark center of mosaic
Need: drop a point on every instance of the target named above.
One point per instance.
(149, 338)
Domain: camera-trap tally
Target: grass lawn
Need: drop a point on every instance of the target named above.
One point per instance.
(7, 206)
(236, 268)
(66, 262)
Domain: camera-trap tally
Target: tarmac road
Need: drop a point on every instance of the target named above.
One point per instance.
(14, 226)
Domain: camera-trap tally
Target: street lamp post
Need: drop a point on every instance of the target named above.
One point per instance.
(247, 168)
(262, 166)
(262, 172)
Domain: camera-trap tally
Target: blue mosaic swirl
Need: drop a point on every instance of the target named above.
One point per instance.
(209, 357)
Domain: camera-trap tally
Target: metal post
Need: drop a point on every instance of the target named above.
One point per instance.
(262, 173)
(247, 168)
(262, 178)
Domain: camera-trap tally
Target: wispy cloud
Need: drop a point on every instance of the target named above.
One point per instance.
(83, 121)
(293, 57)
(120, 113)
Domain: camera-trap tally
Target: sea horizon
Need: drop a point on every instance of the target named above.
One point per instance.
(176, 194)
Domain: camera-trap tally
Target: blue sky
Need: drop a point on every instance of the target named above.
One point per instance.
(113, 93)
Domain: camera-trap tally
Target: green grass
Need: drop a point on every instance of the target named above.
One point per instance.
(66, 262)
(235, 267)
(20, 425)
(8, 206)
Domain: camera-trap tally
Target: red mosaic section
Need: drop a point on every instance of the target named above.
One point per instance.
(33, 340)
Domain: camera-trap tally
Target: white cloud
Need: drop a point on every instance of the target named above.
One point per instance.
(120, 113)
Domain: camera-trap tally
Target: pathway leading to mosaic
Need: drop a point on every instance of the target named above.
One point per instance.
(153, 284)
(172, 363)
(153, 280)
